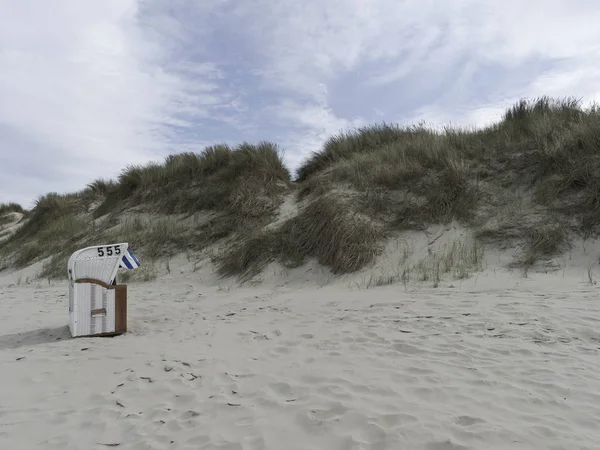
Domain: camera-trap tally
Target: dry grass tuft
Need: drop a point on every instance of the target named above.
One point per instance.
(458, 259)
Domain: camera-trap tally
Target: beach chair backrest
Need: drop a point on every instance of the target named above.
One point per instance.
(100, 262)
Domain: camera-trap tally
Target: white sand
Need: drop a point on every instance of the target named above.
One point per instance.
(497, 362)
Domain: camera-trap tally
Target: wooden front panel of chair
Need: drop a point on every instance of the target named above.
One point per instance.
(120, 308)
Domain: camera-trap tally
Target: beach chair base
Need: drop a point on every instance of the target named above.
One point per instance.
(97, 309)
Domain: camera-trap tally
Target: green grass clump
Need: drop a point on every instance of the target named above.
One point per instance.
(213, 179)
(346, 144)
(542, 241)
(416, 178)
(326, 229)
(100, 187)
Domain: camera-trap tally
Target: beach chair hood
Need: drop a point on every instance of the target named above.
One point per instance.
(101, 262)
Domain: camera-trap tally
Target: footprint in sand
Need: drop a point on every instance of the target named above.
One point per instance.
(446, 445)
(314, 419)
(467, 421)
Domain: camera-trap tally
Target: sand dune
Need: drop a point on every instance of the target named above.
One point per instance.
(497, 362)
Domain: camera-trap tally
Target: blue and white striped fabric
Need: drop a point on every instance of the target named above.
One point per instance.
(129, 261)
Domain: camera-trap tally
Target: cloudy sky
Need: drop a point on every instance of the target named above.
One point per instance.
(87, 86)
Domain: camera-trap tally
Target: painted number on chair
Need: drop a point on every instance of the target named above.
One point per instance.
(109, 250)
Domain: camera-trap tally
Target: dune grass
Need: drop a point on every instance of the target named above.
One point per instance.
(240, 186)
(326, 229)
(412, 177)
(363, 184)
(543, 137)
(542, 241)
(152, 238)
(457, 260)
(52, 225)
(49, 208)
(217, 178)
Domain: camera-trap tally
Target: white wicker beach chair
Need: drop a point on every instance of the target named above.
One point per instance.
(97, 305)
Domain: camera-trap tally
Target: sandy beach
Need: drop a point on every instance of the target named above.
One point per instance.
(498, 361)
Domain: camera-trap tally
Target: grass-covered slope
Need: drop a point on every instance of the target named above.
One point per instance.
(186, 203)
(531, 182)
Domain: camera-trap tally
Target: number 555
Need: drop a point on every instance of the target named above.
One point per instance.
(108, 251)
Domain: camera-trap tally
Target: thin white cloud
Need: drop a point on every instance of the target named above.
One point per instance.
(85, 88)
(434, 50)
(312, 125)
